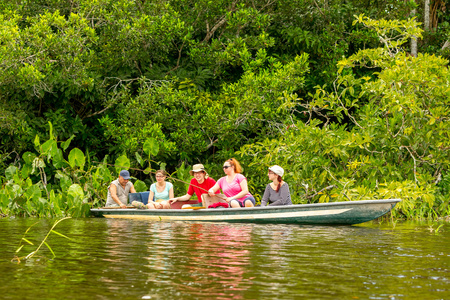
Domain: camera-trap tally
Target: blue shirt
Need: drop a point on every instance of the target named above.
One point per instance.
(164, 195)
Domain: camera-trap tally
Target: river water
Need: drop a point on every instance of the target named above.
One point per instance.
(129, 259)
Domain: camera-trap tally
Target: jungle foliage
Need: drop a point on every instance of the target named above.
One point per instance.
(326, 89)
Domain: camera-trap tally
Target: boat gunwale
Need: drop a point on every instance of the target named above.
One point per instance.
(245, 210)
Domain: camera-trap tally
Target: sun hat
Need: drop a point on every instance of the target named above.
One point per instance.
(125, 174)
(277, 170)
(197, 168)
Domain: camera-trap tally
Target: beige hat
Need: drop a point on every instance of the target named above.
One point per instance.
(197, 168)
(277, 170)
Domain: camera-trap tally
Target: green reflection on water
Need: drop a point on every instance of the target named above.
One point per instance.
(154, 260)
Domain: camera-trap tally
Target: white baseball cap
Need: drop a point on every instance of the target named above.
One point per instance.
(277, 170)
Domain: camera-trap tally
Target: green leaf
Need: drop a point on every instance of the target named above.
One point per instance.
(76, 192)
(66, 144)
(36, 141)
(49, 248)
(140, 186)
(60, 234)
(27, 241)
(33, 192)
(151, 147)
(28, 157)
(49, 147)
(122, 162)
(10, 171)
(139, 159)
(76, 158)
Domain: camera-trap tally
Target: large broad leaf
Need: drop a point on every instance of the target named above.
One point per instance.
(49, 148)
(10, 171)
(58, 159)
(4, 200)
(33, 192)
(140, 186)
(122, 163)
(64, 182)
(76, 192)
(28, 157)
(151, 147)
(76, 158)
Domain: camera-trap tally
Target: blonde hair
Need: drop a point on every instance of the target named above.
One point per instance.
(235, 164)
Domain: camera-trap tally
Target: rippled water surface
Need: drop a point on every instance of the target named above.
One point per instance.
(128, 259)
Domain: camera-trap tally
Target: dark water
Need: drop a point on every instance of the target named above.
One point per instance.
(126, 259)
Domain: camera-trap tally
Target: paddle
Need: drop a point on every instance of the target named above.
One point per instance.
(117, 207)
(194, 207)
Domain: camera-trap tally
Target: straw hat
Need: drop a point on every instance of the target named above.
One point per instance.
(197, 168)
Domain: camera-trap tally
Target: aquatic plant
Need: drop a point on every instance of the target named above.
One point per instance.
(24, 241)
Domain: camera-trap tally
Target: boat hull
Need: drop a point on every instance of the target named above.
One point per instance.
(335, 213)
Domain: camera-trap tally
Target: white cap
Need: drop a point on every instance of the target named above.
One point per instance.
(277, 170)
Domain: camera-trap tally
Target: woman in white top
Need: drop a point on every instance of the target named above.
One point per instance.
(160, 190)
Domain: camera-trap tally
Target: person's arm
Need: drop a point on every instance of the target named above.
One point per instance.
(132, 190)
(265, 197)
(284, 196)
(151, 195)
(113, 191)
(181, 198)
(214, 189)
(171, 195)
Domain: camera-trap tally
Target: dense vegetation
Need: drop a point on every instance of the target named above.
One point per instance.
(333, 91)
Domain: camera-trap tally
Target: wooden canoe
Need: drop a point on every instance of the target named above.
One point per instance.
(334, 213)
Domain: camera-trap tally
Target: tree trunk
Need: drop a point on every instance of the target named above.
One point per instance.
(413, 39)
(426, 14)
(446, 44)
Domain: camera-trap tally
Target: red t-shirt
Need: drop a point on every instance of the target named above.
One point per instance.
(194, 187)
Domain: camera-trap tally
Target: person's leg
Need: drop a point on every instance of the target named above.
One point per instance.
(249, 201)
(235, 204)
(165, 204)
(151, 205)
(138, 204)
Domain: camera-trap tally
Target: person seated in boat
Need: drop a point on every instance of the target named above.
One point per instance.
(161, 191)
(277, 192)
(119, 189)
(234, 186)
(199, 185)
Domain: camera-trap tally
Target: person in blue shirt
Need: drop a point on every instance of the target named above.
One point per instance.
(160, 192)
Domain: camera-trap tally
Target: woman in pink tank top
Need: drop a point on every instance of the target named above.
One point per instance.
(234, 186)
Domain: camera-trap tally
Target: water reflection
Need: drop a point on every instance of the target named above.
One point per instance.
(156, 260)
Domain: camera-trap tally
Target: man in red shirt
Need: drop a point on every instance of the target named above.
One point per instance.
(199, 185)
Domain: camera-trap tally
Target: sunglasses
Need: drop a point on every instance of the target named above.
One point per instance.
(226, 167)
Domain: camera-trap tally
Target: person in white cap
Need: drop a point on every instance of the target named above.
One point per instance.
(277, 192)
(119, 189)
(199, 185)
